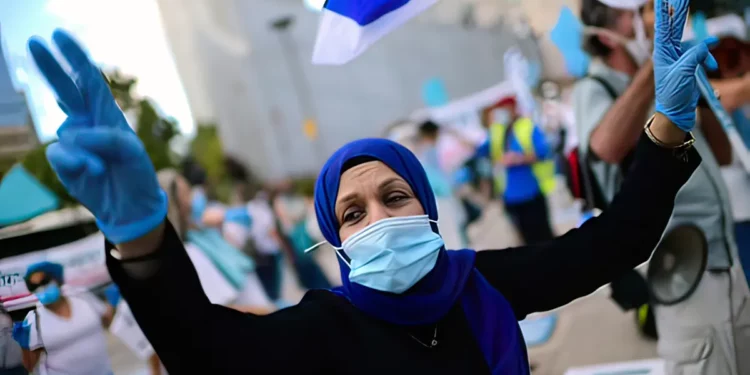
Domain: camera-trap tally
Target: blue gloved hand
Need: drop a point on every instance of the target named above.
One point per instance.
(674, 70)
(22, 334)
(99, 159)
(112, 294)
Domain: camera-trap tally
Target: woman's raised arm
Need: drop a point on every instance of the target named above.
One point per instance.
(191, 335)
(552, 274)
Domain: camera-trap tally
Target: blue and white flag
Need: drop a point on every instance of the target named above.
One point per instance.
(348, 27)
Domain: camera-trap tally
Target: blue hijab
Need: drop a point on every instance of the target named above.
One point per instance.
(453, 280)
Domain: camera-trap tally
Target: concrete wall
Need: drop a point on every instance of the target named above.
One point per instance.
(254, 99)
(361, 98)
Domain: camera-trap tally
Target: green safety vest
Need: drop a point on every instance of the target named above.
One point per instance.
(523, 130)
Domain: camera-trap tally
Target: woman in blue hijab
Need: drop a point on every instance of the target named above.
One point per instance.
(407, 304)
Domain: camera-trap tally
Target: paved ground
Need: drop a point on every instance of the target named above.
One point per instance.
(591, 330)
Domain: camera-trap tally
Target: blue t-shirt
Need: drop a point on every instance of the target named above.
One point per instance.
(439, 180)
(521, 184)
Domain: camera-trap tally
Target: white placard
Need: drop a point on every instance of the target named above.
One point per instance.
(646, 367)
(127, 330)
(83, 264)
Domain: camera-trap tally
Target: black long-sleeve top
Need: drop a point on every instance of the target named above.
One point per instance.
(325, 334)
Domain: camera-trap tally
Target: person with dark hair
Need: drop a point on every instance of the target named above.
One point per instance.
(11, 355)
(63, 334)
(426, 148)
(523, 169)
(407, 305)
(611, 105)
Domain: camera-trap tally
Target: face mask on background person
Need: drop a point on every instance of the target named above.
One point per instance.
(501, 116)
(640, 50)
(640, 47)
(48, 294)
(392, 254)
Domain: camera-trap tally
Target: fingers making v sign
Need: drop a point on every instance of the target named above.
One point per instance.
(98, 158)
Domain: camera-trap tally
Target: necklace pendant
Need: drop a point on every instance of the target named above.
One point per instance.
(434, 342)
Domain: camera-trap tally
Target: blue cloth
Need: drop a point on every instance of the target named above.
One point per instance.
(438, 179)
(742, 236)
(742, 123)
(232, 263)
(238, 215)
(23, 197)
(453, 280)
(521, 184)
(364, 12)
(99, 158)
(463, 176)
(567, 35)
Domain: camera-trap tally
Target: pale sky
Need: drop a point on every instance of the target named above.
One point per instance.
(126, 34)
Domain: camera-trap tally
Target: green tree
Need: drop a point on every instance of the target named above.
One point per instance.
(207, 150)
(154, 130)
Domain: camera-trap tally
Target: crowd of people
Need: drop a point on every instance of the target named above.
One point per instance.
(651, 156)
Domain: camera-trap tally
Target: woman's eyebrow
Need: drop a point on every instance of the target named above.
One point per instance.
(390, 181)
(347, 198)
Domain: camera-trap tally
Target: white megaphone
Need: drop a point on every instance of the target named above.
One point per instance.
(677, 265)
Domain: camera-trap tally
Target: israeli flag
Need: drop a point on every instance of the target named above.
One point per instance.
(348, 27)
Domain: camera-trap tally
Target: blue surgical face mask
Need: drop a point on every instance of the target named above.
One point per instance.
(392, 254)
(49, 294)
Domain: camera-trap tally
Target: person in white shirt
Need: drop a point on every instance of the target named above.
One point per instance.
(226, 274)
(64, 335)
(267, 243)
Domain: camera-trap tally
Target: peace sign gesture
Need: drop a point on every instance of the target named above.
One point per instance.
(99, 159)
(674, 70)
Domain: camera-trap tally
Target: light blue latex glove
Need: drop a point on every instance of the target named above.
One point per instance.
(674, 70)
(99, 159)
(112, 294)
(22, 334)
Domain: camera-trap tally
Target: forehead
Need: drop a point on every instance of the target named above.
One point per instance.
(365, 173)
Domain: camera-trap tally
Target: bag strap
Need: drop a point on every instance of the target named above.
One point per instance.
(607, 87)
(586, 162)
(38, 328)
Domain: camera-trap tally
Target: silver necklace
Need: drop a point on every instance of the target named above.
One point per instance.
(432, 343)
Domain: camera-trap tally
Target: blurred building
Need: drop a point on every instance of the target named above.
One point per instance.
(17, 131)
(246, 65)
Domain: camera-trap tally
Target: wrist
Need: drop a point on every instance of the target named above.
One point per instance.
(665, 132)
(142, 246)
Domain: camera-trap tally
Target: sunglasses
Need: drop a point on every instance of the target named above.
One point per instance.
(33, 287)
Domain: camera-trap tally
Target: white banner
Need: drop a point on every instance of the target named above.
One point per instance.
(464, 116)
(645, 367)
(83, 264)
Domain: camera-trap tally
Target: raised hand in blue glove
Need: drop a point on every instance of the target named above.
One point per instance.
(674, 70)
(98, 158)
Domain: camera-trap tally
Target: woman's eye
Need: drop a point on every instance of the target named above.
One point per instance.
(352, 216)
(395, 198)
